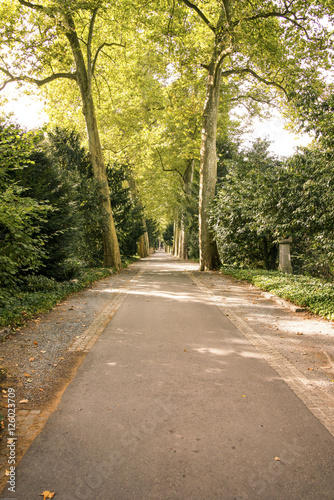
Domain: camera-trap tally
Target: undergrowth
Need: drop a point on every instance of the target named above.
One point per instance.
(38, 294)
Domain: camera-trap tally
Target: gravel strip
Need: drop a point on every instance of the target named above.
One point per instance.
(304, 339)
(38, 358)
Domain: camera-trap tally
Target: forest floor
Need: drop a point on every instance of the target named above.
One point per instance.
(43, 356)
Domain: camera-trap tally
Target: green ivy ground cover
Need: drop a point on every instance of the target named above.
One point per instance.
(312, 293)
(38, 294)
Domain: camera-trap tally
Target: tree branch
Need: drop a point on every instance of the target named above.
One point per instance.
(282, 15)
(253, 98)
(105, 44)
(168, 169)
(200, 13)
(253, 73)
(32, 5)
(39, 83)
(89, 42)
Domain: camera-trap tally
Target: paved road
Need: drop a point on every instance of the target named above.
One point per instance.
(173, 402)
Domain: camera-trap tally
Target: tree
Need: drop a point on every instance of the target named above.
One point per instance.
(268, 43)
(21, 242)
(243, 215)
(63, 38)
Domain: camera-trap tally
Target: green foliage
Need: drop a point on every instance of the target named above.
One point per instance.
(39, 294)
(79, 217)
(153, 232)
(21, 216)
(168, 235)
(261, 199)
(306, 211)
(313, 293)
(241, 214)
(126, 209)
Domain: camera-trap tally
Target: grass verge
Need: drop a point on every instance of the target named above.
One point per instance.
(313, 293)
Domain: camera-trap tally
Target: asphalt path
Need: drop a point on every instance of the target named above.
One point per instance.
(173, 402)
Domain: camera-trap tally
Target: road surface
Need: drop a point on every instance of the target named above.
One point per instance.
(173, 402)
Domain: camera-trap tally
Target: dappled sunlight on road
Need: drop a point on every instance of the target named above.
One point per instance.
(227, 352)
(181, 296)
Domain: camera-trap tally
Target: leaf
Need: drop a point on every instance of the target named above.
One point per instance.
(27, 375)
(277, 459)
(31, 359)
(47, 494)
(23, 401)
(7, 472)
(35, 343)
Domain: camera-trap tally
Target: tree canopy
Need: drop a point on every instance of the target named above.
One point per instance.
(150, 90)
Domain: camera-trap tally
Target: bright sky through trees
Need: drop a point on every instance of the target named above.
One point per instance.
(28, 111)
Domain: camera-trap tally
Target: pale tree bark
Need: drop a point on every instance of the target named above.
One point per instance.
(209, 257)
(84, 74)
(222, 47)
(188, 178)
(143, 244)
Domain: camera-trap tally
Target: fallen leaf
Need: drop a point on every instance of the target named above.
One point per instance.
(310, 369)
(7, 472)
(23, 401)
(299, 333)
(10, 440)
(35, 343)
(185, 350)
(243, 396)
(27, 375)
(42, 390)
(31, 359)
(43, 352)
(47, 494)
(277, 459)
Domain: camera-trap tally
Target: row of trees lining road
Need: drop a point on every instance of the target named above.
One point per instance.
(50, 218)
(154, 87)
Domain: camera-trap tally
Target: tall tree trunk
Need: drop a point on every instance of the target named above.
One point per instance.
(111, 256)
(209, 257)
(188, 178)
(143, 242)
(111, 253)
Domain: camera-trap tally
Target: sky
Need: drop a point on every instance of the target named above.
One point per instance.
(28, 111)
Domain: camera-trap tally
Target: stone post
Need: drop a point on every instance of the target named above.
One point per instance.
(285, 256)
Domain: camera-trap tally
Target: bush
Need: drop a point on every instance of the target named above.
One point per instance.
(38, 294)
